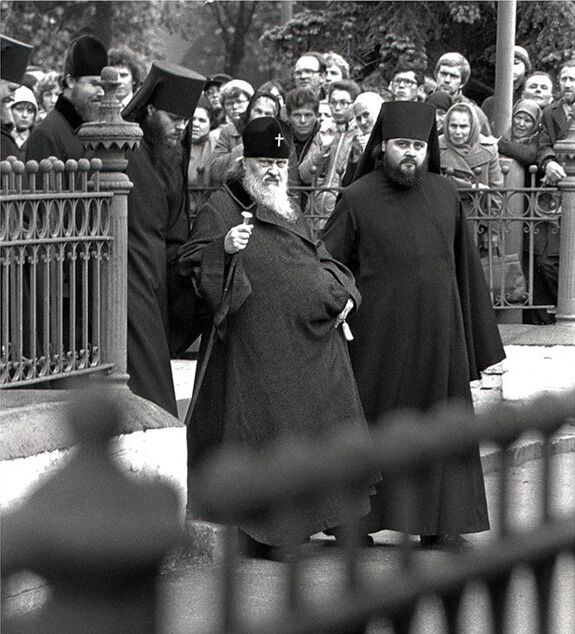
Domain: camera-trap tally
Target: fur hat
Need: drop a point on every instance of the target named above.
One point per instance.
(267, 137)
(168, 87)
(14, 58)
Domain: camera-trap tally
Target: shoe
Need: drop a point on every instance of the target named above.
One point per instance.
(455, 543)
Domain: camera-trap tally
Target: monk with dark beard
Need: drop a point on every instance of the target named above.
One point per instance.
(160, 311)
(279, 366)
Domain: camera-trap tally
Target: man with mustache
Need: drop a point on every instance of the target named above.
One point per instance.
(14, 60)
(57, 134)
(160, 310)
(426, 327)
(279, 365)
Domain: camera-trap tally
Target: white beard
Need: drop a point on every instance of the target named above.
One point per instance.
(270, 195)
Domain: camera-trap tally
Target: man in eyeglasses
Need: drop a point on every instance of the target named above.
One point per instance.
(310, 71)
(326, 161)
(405, 84)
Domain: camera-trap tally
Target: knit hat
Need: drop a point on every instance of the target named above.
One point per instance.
(440, 99)
(85, 56)
(267, 137)
(14, 59)
(402, 120)
(520, 53)
(237, 84)
(24, 94)
(528, 106)
(168, 87)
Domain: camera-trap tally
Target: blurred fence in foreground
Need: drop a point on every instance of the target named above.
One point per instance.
(99, 538)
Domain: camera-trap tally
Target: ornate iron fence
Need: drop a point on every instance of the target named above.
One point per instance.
(511, 226)
(241, 486)
(55, 242)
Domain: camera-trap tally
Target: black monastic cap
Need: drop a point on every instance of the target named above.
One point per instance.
(15, 57)
(85, 56)
(402, 120)
(267, 137)
(168, 87)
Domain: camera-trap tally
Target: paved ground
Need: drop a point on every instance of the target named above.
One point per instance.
(191, 595)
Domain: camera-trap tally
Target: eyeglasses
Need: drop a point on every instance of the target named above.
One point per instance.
(342, 103)
(405, 81)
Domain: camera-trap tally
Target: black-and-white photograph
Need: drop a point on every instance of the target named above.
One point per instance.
(287, 317)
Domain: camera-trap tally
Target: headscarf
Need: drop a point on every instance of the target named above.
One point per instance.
(532, 108)
(473, 122)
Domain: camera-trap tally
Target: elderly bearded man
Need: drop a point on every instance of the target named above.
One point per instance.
(426, 326)
(160, 311)
(279, 366)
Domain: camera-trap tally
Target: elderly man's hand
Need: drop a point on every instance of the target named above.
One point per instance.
(237, 238)
(554, 172)
(344, 313)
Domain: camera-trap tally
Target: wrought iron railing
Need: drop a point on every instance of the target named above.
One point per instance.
(508, 224)
(239, 486)
(55, 242)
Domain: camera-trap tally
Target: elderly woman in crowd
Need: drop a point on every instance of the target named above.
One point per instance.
(521, 141)
(235, 97)
(366, 108)
(471, 160)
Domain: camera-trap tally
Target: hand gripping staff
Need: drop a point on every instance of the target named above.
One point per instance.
(247, 216)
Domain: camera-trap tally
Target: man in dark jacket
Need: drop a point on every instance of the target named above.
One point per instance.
(14, 60)
(57, 134)
(279, 366)
(426, 326)
(160, 311)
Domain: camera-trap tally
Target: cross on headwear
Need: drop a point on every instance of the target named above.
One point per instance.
(267, 137)
(279, 138)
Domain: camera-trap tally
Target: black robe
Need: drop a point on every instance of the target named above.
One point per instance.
(425, 329)
(160, 308)
(57, 134)
(279, 367)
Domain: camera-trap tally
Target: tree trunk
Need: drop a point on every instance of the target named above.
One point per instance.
(102, 23)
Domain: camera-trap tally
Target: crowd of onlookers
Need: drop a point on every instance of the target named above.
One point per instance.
(331, 117)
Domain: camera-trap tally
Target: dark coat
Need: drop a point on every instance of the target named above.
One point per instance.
(281, 369)
(8, 146)
(57, 134)
(554, 126)
(158, 319)
(426, 326)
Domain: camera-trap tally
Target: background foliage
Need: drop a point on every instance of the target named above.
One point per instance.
(245, 38)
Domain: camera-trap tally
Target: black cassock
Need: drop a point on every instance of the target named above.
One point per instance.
(425, 328)
(279, 367)
(160, 308)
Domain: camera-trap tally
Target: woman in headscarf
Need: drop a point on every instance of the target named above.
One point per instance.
(471, 160)
(521, 141)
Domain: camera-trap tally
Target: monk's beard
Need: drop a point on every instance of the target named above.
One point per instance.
(400, 175)
(270, 195)
(166, 151)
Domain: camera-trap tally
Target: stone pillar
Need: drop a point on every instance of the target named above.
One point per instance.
(109, 139)
(504, 66)
(565, 151)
